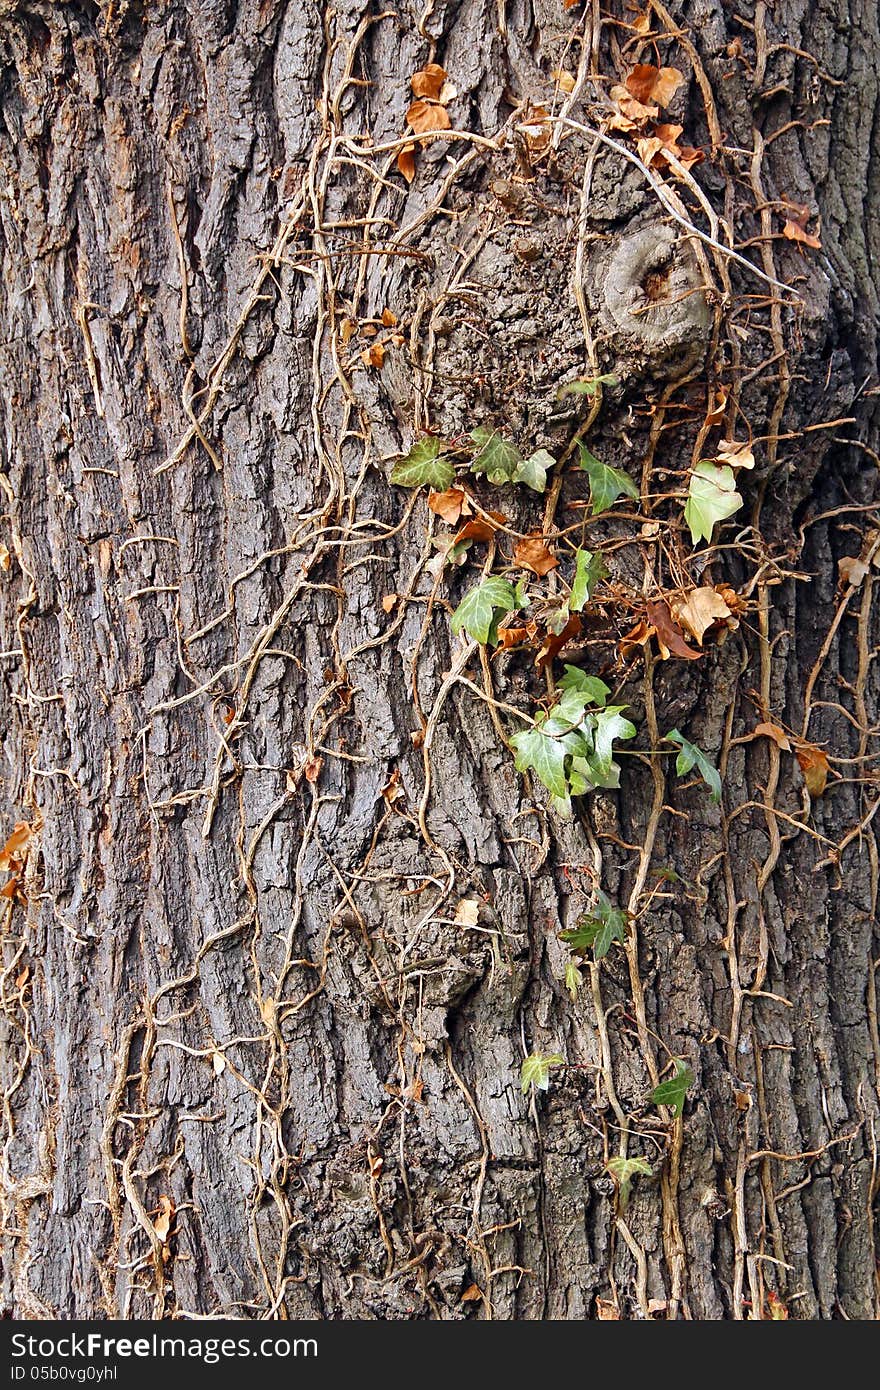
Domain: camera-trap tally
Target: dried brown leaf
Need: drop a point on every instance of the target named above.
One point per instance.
(670, 638)
(773, 731)
(449, 505)
(648, 83)
(532, 554)
(427, 116)
(699, 610)
(428, 81)
(814, 765)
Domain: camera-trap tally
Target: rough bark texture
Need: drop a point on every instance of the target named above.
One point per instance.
(232, 974)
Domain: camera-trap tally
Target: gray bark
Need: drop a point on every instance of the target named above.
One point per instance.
(233, 976)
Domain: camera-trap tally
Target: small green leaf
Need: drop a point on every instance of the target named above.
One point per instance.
(425, 463)
(606, 483)
(494, 457)
(536, 1070)
(597, 929)
(533, 470)
(609, 725)
(545, 756)
(477, 611)
(589, 569)
(623, 1170)
(595, 692)
(712, 496)
(673, 1091)
(692, 757)
(572, 979)
(586, 386)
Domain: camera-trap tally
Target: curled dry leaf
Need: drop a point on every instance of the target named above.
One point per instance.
(428, 81)
(649, 83)
(814, 765)
(795, 229)
(737, 455)
(406, 161)
(718, 407)
(555, 641)
(14, 852)
(389, 602)
(374, 355)
(606, 1311)
(312, 768)
(773, 731)
(467, 913)
(427, 117)
(472, 1294)
(5, 557)
(630, 113)
(536, 129)
(670, 639)
(852, 570)
(164, 1218)
(514, 636)
(532, 554)
(389, 319)
(699, 610)
(481, 528)
(564, 80)
(450, 505)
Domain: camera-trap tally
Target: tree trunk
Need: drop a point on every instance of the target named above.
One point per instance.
(283, 919)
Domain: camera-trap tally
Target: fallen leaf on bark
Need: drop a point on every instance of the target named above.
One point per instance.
(773, 731)
(388, 603)
(814, 765)
(427, 116)
(670, 639)
(554, 642)
(467, 913)
(406, 162)
(737, 455)
(428, 81)
(312, 768)
(852, 570)
(649, 83)
(474, 1294)
(699, 610)
(481, 528)
(532, 554)
(564, 80)
(449, 505)
(513, 636)
(630, 113)
(162, 1223)
(374, 355)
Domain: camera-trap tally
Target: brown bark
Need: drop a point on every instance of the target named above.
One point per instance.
(233, 976)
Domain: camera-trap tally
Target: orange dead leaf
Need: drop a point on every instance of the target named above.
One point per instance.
(312, 768)
(814, 765)
(699, 610)
(388, 603)
(736, 454)
(388, 318)
(649, 83)
(564, 80)
(630, 112)
(670, 639)
(162, 1223)
(773, 731)
(532, 554)
(852, 570)
(474, 1294)
(719, 405)
(639, 636)
(347, 330)
(392, 790)
(606, 1311)
(374, 355)
(648, 147)
(428, 81)
(554, 642)
(512, 636)
(14, 852)
(449, 505)
(406, 162)
(5, 557)
(482, 528)
(793, 231)
(467, 914)
(427, 116)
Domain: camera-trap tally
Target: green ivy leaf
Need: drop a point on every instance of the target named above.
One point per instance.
(589, 569)
(425, 463)
(585, 386)
(494, 457)
(692, 757)
(712, 496)
(572, 979)
(606, 483)
(673, 1091)
(477, 611)
(595, 692)
(623, 1170)
(533, 470)
(609, 725)
(535, 1070)
(597, 929)
(545, 756)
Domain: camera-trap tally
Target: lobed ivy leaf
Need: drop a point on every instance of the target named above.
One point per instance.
(673, 1091)
(495, 457)
(425, 463)
(535, 1070)
(594, 690)
(589, 569)
(482, 606)
(597, 929)
(691, 757)
(533, 470)
(585, 386)
(572, 979)
(623, 1170)
(609, 725)
(712, 497)
(544, 749)
(606, 483)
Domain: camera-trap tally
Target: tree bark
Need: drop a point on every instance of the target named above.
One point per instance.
(258, 1062)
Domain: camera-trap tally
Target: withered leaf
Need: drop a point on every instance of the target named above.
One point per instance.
(736, 454)
(406, 161)
(649, 83)
(374, 355)
(14, 851)
(428, 81)
(162, 1223)
(427, 116)
(467, 914)
(773, 731)
(474, 1294)
(630, 112)
(481, 528)
(670, 639)
(312, 768)
(793, 231)
(532, 554)
(699, 610)
(852, 570)
(449, 505)
(389, 602)
(814, 765)
(513, 636)
(554, 642)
